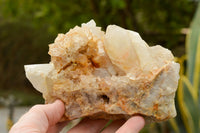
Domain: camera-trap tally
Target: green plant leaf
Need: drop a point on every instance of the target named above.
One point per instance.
(191, 81)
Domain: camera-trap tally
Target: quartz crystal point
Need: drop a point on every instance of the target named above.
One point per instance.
(109, 75)
(129, 52)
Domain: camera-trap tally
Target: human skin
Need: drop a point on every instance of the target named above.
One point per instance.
(45, 119)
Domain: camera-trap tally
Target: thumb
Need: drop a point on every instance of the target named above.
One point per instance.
(40, 117)
(51, 113)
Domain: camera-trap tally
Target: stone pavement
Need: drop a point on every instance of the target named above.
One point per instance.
(18, 112)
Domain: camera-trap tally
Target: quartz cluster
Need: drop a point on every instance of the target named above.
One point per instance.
(109, 75)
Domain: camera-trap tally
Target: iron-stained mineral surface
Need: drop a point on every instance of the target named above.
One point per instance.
(109, 75)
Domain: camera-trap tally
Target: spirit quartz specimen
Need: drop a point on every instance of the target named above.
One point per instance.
(109, 75)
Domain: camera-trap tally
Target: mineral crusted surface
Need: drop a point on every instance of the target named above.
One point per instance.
(109, 75)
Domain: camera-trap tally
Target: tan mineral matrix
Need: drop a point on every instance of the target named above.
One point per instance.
(108, 75)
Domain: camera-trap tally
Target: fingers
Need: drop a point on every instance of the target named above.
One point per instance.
(58, 127)
(88, 126)
(133, 125)
(114, 126)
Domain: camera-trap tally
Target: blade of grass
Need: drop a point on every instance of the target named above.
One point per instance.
(187, 119)
(197, 70)
(107, 124)
(174, 125)
(190, 87)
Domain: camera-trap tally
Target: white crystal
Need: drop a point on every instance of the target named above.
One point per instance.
(38, 74)
(131, 53)
(88, 64)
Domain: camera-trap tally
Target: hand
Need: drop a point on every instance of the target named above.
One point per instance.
(41, 119)
(45, 119)
(133, 125)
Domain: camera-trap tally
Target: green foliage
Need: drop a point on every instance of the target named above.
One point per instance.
(28, 26)
(189, 85)
(18, 49)
(150, 18)
(25, 98)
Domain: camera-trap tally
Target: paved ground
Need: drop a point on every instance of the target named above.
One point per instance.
(19, 111)
(4, 115)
